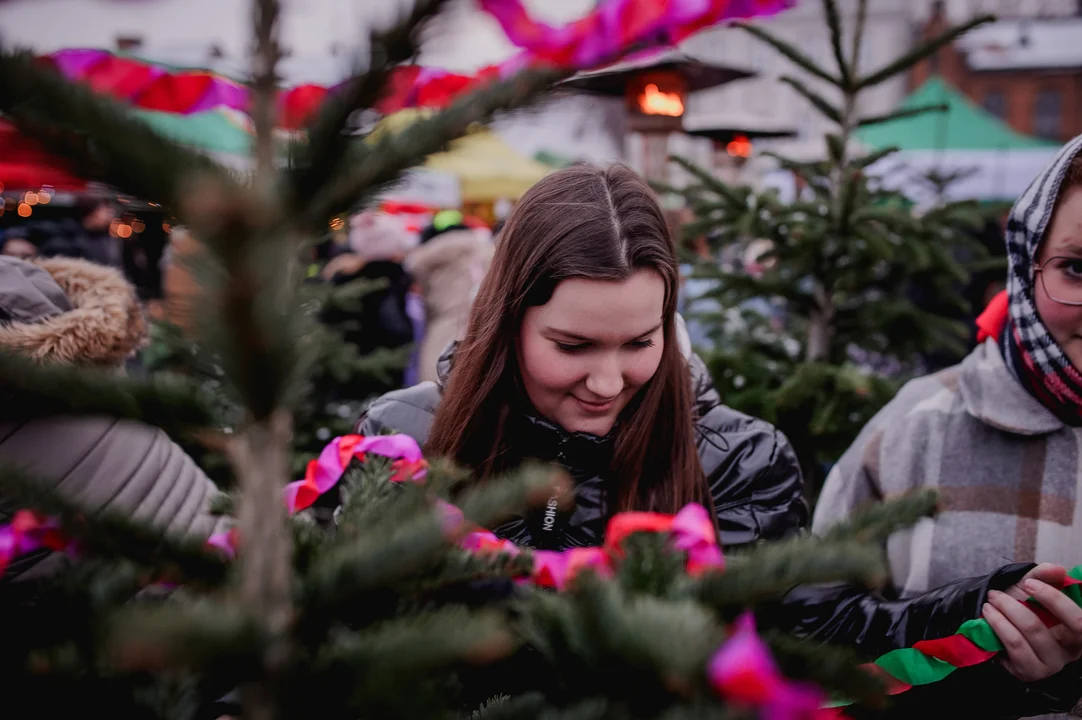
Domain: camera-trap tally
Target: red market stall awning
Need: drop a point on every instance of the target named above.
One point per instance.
(26, 165)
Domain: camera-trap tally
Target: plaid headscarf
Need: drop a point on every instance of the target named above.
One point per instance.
(1031, 353)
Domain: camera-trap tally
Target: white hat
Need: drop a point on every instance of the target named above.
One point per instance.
(378, 236)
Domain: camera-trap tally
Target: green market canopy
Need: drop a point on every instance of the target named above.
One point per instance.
(994, 161)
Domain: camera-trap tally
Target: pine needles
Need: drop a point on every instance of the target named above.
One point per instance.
(846, 258)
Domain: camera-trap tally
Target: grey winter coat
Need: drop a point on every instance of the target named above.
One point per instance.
(74, 312)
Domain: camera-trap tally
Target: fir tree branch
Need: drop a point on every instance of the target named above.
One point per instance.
(245, 309)
(828, 666)
(852, 181)
(821, 104)
(203, 635)
(734, 286)
(490, 504)
(260, 458)
(31, 390)
(834, 23)
(835, 148)
(223, 504)
(384, 557)
(503, 707)
(877, 241)
(371, 502)
(858, 38)
(347, 296)
(659, 641)
(901, 114)
(102, 136)
(113, 534)
(709, 181)
(872, 158)
(887, 217)
(808, 172)
(265, 56)
(462, 567)
(380, 364)
(386, 554)
(328, 146)
(772, 570)
(920, 52)
(791, 52)
(377, 166)
(415, 645)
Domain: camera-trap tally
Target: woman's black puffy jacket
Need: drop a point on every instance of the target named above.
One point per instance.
(757, 490)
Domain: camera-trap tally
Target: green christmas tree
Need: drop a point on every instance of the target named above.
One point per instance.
(380, 612)
(340, 380)
(845, 259)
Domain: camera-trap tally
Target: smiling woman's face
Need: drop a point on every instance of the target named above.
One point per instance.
(1060, 258)
(587, 351)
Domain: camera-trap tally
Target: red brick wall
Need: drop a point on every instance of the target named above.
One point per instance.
(1020, 88)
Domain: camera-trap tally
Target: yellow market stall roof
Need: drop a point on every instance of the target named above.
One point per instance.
(486, 166)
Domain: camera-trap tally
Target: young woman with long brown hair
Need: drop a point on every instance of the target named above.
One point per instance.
(574, 354)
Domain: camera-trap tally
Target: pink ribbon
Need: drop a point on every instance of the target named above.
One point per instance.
(555, 569)
(29, 531)
(617, 26)
(693, 531)
(324, 473)
(743, 671)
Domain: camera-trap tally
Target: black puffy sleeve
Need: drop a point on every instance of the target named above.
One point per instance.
(754, 478)
(853, 617)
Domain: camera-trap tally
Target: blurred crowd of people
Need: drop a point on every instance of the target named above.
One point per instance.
(428, 275)
(88, 230)
(429, 279)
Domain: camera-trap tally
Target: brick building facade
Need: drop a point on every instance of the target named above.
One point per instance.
(1026, 71)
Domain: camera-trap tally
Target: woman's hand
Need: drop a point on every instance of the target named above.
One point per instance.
(1033, 651)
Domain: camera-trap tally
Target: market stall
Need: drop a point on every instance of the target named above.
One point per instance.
(489, 172)
(989, 160)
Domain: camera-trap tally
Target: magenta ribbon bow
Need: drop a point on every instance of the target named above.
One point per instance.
(325, 472)
(30, 531)
(617, 26)
(743, 671)
(693, 531)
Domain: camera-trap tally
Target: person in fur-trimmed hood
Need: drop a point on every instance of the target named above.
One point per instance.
(73, 312)
(999, 435)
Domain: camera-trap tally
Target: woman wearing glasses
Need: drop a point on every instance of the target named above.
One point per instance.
(999, 435)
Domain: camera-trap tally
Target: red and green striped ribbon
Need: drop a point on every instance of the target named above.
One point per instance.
(930, 661)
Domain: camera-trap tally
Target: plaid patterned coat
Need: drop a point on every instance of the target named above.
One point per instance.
(1006, 469)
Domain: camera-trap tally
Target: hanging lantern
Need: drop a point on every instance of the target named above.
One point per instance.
(739, 147)
(732, 149)
(656, 101)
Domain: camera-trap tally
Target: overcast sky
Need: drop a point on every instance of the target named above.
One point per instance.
(467, 41)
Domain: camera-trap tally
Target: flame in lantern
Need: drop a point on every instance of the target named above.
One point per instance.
(656, 102)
